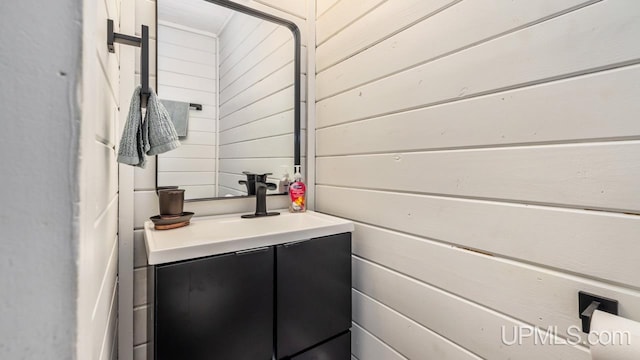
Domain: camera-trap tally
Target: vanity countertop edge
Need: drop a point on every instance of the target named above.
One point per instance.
(214, 235)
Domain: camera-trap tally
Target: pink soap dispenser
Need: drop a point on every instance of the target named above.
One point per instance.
(297, 193)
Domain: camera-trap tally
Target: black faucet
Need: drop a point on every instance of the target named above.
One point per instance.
(261, 187)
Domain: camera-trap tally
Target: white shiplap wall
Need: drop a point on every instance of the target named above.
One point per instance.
(144, 201)
(99, 198)
(187, 71)
(256, 100)
(488, 152)
(142, 204)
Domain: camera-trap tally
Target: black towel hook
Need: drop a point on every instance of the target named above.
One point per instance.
(143, 43)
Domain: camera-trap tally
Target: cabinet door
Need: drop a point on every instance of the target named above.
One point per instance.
(334, 349)
(313, 296)
(215, 308)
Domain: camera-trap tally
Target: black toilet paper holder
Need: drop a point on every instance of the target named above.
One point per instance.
(588, 303)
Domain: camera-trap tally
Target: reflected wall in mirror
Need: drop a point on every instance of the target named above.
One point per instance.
(242, 70)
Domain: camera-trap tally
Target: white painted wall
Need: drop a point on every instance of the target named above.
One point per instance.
(38, 148)
(488, 152)
(59, 219)
(187, 71)
(256, 101)
(139, 201)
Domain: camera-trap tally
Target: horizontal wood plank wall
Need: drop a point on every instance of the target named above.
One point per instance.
(488, 152)
(187, 71)
(98, 204)
(256, 100)
(297, 8)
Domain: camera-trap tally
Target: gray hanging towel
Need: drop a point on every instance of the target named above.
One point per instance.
(179, 114)
(132, 143)
(161, 135)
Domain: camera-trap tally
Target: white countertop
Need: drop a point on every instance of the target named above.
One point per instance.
(221, 234)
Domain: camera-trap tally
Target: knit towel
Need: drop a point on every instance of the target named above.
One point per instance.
(131, 149)
(152, 136)
(162, 136)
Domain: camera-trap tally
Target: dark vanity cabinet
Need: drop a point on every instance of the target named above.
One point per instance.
(288, 302)
(313, 302)
(220, 305)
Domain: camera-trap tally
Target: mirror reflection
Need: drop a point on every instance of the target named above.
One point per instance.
(240, 69)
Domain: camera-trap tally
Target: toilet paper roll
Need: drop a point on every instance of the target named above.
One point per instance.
(613, 337)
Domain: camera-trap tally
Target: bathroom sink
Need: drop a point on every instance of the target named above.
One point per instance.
(214, 235)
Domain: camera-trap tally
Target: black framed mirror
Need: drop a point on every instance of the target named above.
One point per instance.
(237, 71)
